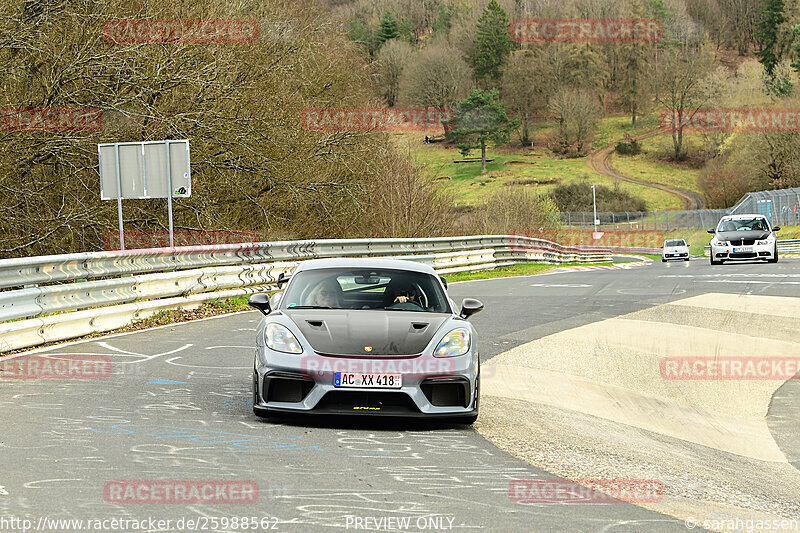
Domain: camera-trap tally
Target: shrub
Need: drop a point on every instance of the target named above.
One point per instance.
(514, 210)
(628, 148)
(578, 197)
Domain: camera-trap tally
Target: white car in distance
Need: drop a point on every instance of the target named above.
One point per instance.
(675, 250)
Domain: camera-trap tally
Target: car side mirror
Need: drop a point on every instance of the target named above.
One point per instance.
(470, 306)
(711, 231)
(444, 281)
(260, 301)
(776, 228)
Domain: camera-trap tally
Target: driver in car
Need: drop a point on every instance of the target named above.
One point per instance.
(406, 297)
(406, 294)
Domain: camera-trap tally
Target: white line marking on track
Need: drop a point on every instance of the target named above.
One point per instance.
(170, 361)
(557, 285)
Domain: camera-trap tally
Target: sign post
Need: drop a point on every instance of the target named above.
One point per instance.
(143, 170)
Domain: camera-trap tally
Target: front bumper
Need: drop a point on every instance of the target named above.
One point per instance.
(675, 256)
(431, 386)
(742, 253)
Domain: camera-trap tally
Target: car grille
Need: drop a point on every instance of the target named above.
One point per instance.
(359, 402)
(743, 242)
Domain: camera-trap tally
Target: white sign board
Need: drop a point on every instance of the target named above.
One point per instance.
(144, 170)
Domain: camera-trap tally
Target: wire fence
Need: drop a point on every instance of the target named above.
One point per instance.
(781, 207)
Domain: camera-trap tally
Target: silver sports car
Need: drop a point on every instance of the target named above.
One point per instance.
(366, 336)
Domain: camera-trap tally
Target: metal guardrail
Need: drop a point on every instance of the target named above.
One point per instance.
(90, 265)
(53, 298)
(621, 249)
(786, 246)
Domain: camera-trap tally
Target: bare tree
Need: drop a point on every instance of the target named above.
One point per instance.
(525, 88)
(436, 77)
(403, 202)
(634, 89)
(390, 62)
(577, 112)
(239, 103)
(741, 17)
(516, 210)
(680, 89)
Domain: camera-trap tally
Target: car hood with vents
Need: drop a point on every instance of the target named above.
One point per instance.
(367, 333)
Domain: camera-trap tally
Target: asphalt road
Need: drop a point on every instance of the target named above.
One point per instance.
(177, 406)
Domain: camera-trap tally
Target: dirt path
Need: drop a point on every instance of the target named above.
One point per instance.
(600, 162)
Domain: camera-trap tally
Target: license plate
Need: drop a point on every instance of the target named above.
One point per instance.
(372, 381)
(743, 249)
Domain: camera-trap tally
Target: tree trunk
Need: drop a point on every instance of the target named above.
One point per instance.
(483, 157)
(633, 116)
(525, 133)
(677, 142)
(675, 145)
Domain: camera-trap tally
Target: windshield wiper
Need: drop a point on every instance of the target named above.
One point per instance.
(401, 309)
(309, 307)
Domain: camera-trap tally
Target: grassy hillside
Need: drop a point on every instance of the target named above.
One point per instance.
(539, 168)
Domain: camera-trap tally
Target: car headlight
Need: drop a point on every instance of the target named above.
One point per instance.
(280, 339)
(764, 242)
(454, 343)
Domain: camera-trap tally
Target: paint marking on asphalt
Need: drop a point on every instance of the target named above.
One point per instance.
(560, 285)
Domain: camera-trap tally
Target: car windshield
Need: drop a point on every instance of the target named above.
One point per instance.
(376, 289)
(743, 224)
(678, 242)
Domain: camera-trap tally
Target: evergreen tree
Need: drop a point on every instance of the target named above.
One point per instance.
(632, 84)
(444, 21)
(492, 43)
(481, 118)
(796, 48)
(772, 16)
(389, 30)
